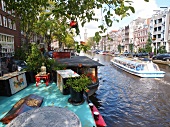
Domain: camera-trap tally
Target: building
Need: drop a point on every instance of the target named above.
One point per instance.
(159, 30)
(168, 31)
(112, 41)
(126, 43)
(103, 43)
(141, 34)
(10, 33)
(136, 32)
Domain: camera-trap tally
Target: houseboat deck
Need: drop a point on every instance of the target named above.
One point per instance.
(52, 97)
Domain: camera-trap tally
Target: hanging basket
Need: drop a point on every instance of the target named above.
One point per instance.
(73, 24)
(79, 65)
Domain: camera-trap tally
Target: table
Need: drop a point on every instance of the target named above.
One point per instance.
(11, 83)
(46, 77)
(46, 117)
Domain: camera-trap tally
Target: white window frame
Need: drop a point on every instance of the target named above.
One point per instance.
(10, 23)
(3, 5)
(14, 26)
(5, 21)
(0, 20)
(9, 12)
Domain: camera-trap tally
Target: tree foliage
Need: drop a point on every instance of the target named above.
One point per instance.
(119, 48)
(91, 42)
(81, 11)
(69, 41)
(148, 47)
(162, 50)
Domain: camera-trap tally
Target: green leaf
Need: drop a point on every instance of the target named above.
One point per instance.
(132, 9)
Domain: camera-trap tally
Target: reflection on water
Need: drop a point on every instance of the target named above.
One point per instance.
(125, 100)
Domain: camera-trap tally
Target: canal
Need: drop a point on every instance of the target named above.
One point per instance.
(125, 100)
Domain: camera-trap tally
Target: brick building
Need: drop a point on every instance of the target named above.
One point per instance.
(10, 33)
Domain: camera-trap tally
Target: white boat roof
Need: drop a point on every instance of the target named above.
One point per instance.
(130, 60)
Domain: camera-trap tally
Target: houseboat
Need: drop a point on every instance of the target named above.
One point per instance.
(43, 106)
(84, 65)
(144, 68)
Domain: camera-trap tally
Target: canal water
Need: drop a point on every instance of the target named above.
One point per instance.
(125, 100)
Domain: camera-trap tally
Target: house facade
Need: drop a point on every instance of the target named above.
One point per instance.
(159, 29)
(10, 33)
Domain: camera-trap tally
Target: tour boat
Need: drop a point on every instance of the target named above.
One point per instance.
(144, 68)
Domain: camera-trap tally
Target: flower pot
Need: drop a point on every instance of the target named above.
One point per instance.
(76, 97)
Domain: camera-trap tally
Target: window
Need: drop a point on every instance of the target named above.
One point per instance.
(7, 47)
(9, 12)
(9, 23)
(0, 37)
(13, 13)
(14, 26)
(3, 6)
(5, 21)
(0, 20)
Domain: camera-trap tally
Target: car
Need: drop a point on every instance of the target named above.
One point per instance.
(141, 54)
(48, 54)
(164, 57)
(105, 52)
(16, 65)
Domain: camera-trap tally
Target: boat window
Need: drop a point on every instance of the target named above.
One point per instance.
(145, 68)
(156, 67)
(132, 66)
(90, 72)
(140, 67)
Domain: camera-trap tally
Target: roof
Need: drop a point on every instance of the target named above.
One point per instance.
(75, 61)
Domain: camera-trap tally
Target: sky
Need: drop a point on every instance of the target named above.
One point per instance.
(142, 9)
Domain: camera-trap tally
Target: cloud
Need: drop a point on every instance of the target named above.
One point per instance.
(142, 9)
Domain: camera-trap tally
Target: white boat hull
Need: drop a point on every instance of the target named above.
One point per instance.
(142, 74)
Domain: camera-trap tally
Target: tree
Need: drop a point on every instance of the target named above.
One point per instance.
(91, 42)
(148, 47)
(119, 48)
(131, 47)
(81, 11)
(69, 41)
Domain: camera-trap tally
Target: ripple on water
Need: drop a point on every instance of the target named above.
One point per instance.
(125, 100)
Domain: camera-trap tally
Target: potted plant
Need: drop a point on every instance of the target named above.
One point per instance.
(77, 86)
(34, 61)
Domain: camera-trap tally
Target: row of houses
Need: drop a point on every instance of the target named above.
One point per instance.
(11, 36)
(10, 33)
(137, 32)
